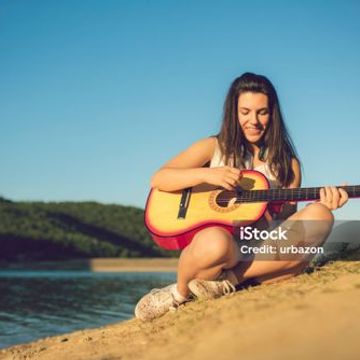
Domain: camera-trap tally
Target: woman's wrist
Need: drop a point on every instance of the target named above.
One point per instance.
(202, 175)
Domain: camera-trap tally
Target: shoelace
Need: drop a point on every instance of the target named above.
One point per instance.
(175, 305)
(228, 287)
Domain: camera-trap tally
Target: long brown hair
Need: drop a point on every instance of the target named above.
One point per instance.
(276, 139)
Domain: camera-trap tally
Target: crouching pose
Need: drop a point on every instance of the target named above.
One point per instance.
(253, 135)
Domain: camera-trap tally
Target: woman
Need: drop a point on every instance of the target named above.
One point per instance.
(253, 136)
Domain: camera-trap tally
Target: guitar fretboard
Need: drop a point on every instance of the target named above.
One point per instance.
(296, 194)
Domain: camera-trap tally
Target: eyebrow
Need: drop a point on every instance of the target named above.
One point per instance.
(245, 108)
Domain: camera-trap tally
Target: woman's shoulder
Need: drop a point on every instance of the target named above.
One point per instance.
(206, 145)
(197, 154)
(209, 145)
(210, 141)
(295, 162)
(296, 166)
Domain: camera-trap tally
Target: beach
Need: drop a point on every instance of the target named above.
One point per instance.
(99, 265)
(311, 316)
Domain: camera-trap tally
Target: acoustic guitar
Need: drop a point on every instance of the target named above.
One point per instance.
(173, 218)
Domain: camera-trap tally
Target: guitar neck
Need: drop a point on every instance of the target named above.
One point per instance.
(295, 194)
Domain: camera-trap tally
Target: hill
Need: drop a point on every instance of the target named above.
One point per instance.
(63, 230)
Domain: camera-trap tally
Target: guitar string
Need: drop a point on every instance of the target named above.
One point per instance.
(279, 197)
(270, 194)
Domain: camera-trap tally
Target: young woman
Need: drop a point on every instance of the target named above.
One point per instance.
(253, 135)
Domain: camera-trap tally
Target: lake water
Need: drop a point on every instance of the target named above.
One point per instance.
(36, 304)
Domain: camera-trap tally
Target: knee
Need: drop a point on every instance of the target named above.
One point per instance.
(318, 211)
(213, 242)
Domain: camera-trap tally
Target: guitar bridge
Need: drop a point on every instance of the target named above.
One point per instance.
(184, 203)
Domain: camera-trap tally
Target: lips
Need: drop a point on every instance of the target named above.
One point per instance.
(253, 131)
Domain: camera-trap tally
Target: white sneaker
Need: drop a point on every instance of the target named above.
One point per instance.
(212, 289)
(158, 302)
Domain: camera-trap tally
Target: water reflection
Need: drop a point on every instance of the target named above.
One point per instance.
(35, 304)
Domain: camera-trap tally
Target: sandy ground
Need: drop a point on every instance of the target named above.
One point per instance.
(99, 265)
(155, 264)
(311, 316)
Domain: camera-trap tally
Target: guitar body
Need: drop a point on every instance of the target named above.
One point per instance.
(206, 205)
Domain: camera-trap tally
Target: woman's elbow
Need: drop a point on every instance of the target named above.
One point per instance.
(153, 181)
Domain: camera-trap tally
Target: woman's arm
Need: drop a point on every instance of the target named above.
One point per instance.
(186, 169)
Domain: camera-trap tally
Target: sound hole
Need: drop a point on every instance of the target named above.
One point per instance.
(226, 198)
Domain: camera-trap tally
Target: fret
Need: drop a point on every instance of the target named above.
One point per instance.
(293, 194)
(274, 194)
(354, 192)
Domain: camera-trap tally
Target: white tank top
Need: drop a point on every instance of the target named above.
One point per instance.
(218, 160)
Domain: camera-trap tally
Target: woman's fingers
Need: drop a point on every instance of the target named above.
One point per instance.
(322, 196)
(236, 173)
(333, 197)
(232, 170)
(226, 186)
(225, 176)
(232, 177)
(343, 197)
(326, 197)
(231, 181)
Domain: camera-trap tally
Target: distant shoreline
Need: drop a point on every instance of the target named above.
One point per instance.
(98, 265)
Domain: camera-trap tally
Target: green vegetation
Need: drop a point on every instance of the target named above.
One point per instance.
(46, 231)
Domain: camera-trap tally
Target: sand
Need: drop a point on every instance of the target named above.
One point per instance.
(308, 317)
(99, 265)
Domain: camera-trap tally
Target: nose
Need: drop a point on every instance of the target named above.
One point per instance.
(253, 118)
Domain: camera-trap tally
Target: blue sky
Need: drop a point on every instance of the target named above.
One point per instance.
(96, 95)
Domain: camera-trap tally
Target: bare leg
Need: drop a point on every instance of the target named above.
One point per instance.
(214, 249)
(275, 270)
(211, 250)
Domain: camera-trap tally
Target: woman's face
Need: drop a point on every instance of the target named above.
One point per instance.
(253, 114)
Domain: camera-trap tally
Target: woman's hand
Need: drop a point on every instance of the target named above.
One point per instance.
(225, 176)
(332, 197)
